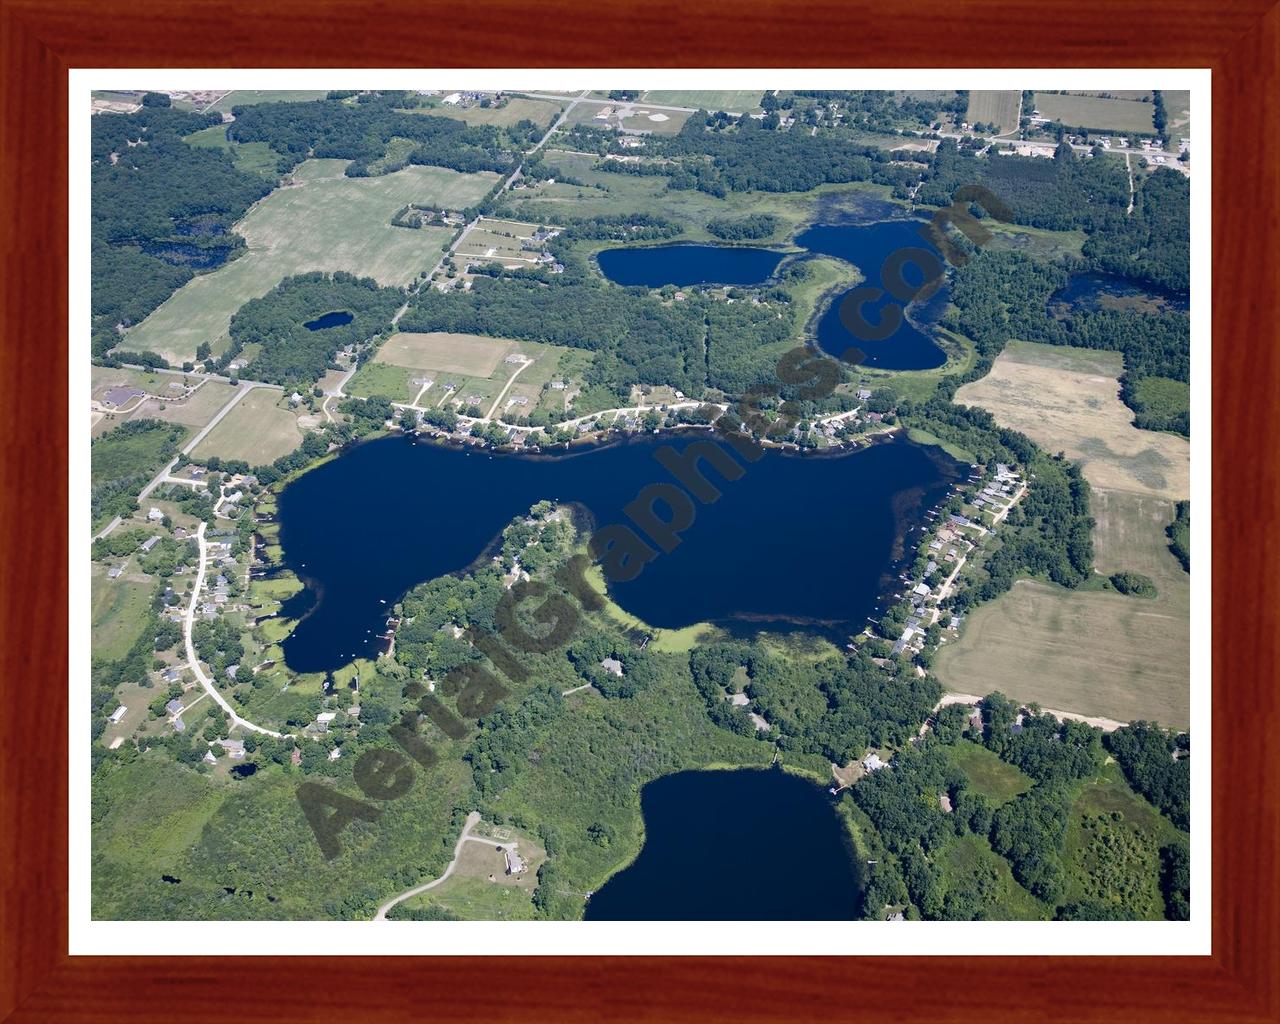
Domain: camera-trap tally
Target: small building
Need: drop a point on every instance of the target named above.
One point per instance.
(612, 665)
(150, 542)
(233, 747)
(872, 762)
(921, 590)
(514, 864)
(335, 753)
(863, 394)
(155, 515)
(118, 396)
(452, 100)
(232, 670)
(178, 725)
(174, 707)
(115, 571)
(117, 714)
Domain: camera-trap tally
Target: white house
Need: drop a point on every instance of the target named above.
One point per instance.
(117, 714)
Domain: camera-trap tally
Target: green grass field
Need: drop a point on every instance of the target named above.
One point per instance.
(376, 378)
(1096, 113)
(993, 106)
(735, 101)
(997, 780)
(249, 97)
(439, 352)
(259, 430)
(1086, 860)
(1164, 397)
(966, 854)
(254, 157)
(327, 223)
(118, 613)
(518, 108)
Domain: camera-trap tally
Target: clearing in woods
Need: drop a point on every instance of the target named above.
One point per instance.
(258, 430)
(325, 222)
(1096, 113)
(518, 108)
(1067, 399)
(995, 106)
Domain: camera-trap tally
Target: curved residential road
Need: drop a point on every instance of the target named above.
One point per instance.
(472, 820)
(193, 662)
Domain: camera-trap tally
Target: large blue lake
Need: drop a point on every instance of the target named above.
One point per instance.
(684, 265)
(751, 845)
(797, 541)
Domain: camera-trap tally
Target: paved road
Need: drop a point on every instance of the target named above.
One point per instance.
(193, 662)
(472, 820)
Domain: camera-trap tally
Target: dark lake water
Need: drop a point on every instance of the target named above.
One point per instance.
(1101, 291)
(334, 319)
(684, 265)
(797, 540)
(866, 246)
(750, 845)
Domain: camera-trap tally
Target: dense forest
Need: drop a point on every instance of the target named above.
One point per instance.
(1066, 192)
(360, 132)
(292, 353)
(153, 193)
(1153, 245)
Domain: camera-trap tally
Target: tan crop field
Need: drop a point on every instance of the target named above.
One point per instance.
(1090, 653)
(325, 222)
(259, 430)
(995, 106)
(1096, 113)
(1067, 399)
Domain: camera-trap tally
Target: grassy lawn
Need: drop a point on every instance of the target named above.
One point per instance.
(1067, 399)
(327, 222)
(376, 378)
(259, 430)
(995, 106)
(998, 781)
(470, 894)
(119, 612)
(1094, 112)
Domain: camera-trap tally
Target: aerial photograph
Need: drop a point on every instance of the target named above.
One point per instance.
(639, 505)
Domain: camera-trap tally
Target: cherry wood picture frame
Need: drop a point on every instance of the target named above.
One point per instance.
(41, 39)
